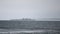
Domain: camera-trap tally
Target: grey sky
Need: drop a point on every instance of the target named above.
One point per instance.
(15, 9)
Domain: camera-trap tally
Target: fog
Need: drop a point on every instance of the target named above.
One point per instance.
(35, 9)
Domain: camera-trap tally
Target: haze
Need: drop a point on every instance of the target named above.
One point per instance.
(35, 9)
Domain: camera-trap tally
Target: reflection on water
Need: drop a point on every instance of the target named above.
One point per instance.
(32, 32)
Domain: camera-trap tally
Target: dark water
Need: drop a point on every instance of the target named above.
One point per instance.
(31, 33)
(30, 25)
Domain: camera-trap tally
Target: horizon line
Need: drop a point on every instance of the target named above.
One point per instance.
(40, 19)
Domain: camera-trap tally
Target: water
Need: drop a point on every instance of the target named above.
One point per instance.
(29, 27)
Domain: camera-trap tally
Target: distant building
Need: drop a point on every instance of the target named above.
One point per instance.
(23, 19)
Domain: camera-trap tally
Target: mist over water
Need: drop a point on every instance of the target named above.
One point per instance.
(35, 9)
(29, 16)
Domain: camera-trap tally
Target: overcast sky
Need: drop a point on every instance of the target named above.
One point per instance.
(16, 9)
